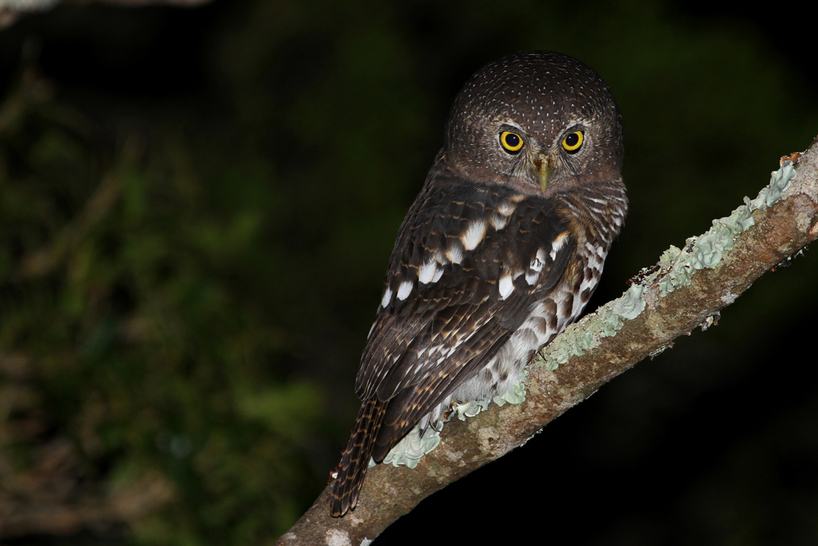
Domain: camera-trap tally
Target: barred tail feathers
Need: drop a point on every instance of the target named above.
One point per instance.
(355, 460)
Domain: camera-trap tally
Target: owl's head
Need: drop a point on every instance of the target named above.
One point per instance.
(539, 121)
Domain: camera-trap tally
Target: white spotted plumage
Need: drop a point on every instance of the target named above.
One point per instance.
(473, 234)
(404, 290)
(501, 250)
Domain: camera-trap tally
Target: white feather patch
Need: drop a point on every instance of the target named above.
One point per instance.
(535, 267)
(455, 254)
(499, 221)
(438, 274)
(558, 243)
(473, 235)
(429, 272)
(404, 290)
(531, 277)
(506, 286)
(506, 208)
(387, 297)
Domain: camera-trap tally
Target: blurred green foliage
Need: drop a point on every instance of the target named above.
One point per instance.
(193, 236)
(128, 313)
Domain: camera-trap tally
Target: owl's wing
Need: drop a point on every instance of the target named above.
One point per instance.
(468, 264)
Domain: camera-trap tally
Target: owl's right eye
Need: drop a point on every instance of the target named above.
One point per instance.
(511, 142)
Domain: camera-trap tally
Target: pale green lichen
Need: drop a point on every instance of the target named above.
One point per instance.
(707, 250)
(676, 269)
(605, 322)
(516, 394)
(779, 182)
(574, 341)
(702, 252)
(412, 447)
(469, 409)
(415, 445)
(630, 304)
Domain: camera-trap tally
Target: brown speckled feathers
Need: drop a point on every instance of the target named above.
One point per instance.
(500, 251)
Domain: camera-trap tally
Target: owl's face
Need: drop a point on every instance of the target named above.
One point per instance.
(535, 122)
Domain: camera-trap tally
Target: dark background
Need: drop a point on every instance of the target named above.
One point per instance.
(197, 210)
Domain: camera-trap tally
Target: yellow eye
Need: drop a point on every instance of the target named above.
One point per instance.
(512, 142)
(573, 142)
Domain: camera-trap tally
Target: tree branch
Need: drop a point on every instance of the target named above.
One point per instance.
(686, 289)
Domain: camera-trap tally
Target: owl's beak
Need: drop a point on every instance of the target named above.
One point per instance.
(543, 168)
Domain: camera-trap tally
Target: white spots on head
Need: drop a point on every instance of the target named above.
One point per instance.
(404, 290)
(430, 272)
(473, 235)
(387, 297)
(506, 286)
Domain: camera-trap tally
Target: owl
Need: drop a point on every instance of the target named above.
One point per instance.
(501, 250)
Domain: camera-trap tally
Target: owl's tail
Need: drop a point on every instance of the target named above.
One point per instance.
(355, 460)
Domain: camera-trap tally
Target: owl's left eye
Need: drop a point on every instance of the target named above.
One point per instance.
(573, 142)
(511, 142)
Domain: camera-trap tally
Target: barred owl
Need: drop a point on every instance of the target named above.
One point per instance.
(500, 251)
